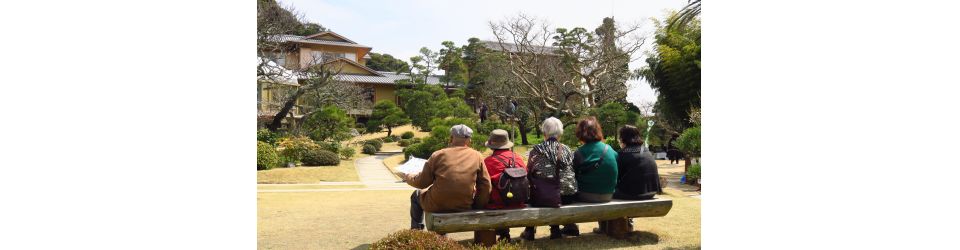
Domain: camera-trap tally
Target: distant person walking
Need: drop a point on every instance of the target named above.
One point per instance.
(453, 179)
(672, 152)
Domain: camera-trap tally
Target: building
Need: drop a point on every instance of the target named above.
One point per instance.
(329, 48)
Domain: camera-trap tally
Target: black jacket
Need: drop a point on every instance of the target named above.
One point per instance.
(638, 174)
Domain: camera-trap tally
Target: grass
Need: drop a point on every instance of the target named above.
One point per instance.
(355, 219)
(393, 161)
(346, 171)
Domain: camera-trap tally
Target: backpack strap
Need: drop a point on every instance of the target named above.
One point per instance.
(597, 164)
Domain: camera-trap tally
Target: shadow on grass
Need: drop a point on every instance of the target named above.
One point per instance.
(588, 240)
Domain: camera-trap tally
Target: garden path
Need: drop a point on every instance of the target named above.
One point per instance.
(374, 175)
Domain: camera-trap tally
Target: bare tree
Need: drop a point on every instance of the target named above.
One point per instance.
(552, 68)
(533, 64)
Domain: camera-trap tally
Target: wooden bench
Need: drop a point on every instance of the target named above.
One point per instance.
(483, 222)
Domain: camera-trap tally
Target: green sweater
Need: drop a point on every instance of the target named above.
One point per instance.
(602, 180)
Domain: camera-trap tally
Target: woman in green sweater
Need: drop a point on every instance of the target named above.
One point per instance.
(595, 165)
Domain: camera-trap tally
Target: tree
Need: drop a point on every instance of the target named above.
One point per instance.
(386, 114)
(687, 14)
(424, 64)
(330, 123)
(451, 62)
(386, 62)
(567, 71)
(612, 116)
(598, 60)
(673, 70)
(306, 87)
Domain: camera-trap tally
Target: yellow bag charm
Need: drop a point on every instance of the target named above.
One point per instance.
(509, 194)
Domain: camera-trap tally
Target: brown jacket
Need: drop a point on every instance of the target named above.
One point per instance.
(457, 180)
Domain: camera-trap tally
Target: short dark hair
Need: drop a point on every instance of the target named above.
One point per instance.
(588, 130)
(630, 136)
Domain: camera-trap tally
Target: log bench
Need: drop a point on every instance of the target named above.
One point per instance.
(483, 222)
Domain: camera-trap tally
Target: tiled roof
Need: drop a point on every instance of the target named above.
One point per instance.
(300, 39)
(387, 78)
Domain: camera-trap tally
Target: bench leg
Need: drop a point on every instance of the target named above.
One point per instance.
(617, 228)
(486, 238)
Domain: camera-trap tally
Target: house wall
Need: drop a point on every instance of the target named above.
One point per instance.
(305, 56)
(382, 92)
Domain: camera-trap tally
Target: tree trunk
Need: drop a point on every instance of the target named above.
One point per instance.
(389, 130)
(287, 106)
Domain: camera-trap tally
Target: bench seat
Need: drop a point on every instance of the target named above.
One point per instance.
(478, 220)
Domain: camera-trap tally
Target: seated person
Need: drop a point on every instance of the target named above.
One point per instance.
(453, 179)
(500, 159)
(638, 178)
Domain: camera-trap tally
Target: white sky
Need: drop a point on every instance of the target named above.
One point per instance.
(401, 28)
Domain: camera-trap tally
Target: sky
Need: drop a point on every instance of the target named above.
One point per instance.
(401, 28)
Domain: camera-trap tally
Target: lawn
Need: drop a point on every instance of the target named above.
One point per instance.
(354, 219)
(305, 175)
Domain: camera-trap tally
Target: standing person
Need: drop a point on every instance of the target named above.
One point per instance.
(551, 177)
(502, 158)
(483, 112)
(595, 164)
(453, 179)
(672, 152)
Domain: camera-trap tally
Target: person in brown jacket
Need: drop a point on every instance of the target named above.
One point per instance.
(454, 179)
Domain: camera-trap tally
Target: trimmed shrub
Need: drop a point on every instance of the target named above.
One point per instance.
(294, 148)
(375, 142)
(369, 149)
(267, 156)
(693, 172)
(392, 138)
(330, 146)
(689, 141)
(320, 157)
(415, 239)
(347, 153)
(405, 142)
(407, 135)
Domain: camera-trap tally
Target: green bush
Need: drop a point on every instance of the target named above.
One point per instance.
(329, 123)
(267, 156)
(392, 138)
(569, 137)
(407, 135)
(320, 157)
(689, 141)
(375, 142)
(405, 142)
(294, 148)
(347, 153)
(415, 239)
(613, 142)
(369, 149)
(265, 135)
(693, 172)
(330, 146)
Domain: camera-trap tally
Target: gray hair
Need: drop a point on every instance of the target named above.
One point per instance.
(552, 127)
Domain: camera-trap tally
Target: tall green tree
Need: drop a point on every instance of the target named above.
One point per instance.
(388, 115)
(386, 62)
(612, 116)
(673, 70)
(329, 123)
(451, 62)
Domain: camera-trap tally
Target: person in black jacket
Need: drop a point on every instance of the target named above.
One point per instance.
(638, 178)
